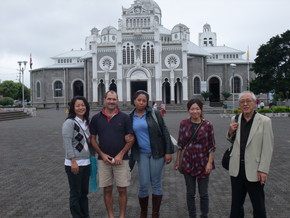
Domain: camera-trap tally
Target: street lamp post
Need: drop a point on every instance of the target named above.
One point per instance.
(21, 69)
(233, 66)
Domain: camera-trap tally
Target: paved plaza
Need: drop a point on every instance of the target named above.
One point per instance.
(34, 184)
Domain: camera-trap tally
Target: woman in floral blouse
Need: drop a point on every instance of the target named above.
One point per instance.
(198, 159)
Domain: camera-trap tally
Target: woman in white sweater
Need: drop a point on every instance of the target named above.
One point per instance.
(76, 136)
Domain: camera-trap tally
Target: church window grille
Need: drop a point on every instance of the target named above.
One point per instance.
(148, 53)
(132, 55)
(144, 54)
(124, 55)
(152, 54)
(196, 85)
(128, 54)
(58, 89)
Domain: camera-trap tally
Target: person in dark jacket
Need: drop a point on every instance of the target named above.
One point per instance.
(151, 150)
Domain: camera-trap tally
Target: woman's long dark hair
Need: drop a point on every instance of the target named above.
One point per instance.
(72, 113)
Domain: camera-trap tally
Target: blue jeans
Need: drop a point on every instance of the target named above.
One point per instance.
(150, 173)
(190, 182)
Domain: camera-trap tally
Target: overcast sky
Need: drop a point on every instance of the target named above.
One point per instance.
(46, 28)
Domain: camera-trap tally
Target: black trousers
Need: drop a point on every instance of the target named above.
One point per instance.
(240, 187)
(79, 189)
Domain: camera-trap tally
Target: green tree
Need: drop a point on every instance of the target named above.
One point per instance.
(6, 101)
(13, 90)
(206, 95)
(226, 95)
(272, 66)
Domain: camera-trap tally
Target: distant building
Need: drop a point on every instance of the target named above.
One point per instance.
(142, 54)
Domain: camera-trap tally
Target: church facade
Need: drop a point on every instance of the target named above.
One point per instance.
(142, 54)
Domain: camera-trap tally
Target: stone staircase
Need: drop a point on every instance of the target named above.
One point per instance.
(13, 115)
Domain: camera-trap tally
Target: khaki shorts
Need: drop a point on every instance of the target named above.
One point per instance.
(107, 174)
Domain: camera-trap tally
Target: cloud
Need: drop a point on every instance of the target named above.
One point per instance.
(49, 28)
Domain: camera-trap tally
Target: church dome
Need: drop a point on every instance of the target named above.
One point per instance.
(180, 28)
(109, 31)
(150, 5)
(206, 28)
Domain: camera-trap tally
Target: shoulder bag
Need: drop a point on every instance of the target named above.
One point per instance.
(226, 156)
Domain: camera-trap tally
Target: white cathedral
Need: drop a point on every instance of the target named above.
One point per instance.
(142, 54)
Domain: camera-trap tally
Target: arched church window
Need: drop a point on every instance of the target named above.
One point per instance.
(132, 55)
(124, 55)
(128, 53)
(237, 85)
(196, 85)
(148, 53)
(113, 86)
(144, 54)
(57, 89)
(38, 90)
(152, 54)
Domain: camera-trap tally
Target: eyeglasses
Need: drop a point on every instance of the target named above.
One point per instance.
(248, 101)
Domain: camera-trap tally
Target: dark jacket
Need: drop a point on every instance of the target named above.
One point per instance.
(159, 136)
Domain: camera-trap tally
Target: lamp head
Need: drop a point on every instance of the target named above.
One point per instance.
(19, 62)
(233, 66)
(24, 62)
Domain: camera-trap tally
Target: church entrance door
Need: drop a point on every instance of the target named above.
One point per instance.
(214, 88)
(137, 85)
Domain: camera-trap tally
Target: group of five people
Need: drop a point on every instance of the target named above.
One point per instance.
(111, 133)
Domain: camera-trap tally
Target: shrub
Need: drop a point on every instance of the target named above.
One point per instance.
(265, 110)
(238, 111)
(6, 101)
(280, 110)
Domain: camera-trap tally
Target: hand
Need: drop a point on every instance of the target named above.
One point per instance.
(168, 158)
(208, 168)
(262, 177)
(129, 138)
(74, 167)
(107, 158)
(233, 127)
(176, 164)
(118, 159)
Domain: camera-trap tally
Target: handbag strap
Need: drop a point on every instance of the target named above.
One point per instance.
(155, 118)
(193, 135)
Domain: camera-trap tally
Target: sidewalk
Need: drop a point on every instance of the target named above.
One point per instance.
(34, 184)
